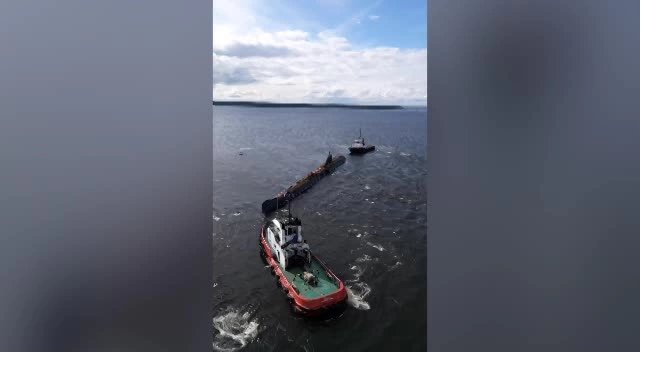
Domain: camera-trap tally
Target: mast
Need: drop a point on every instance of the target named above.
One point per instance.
(360, 133)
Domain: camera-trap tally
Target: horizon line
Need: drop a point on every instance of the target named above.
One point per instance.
(304, 104)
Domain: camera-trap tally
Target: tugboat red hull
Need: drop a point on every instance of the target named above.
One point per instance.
(333, 302)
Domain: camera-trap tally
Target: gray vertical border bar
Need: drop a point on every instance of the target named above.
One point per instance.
(106, 175)
(533, 234)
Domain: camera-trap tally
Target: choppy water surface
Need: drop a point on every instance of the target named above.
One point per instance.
(367, 222)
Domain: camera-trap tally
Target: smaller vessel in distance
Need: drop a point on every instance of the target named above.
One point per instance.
(303, 184)
(311, 287)
(359, 147)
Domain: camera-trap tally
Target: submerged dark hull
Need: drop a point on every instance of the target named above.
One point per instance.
(361, 150)
(301, 186)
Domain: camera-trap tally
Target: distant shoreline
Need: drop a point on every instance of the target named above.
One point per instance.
(305, 105)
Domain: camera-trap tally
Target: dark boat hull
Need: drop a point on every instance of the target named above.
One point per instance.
(361, 150)
(301, 186)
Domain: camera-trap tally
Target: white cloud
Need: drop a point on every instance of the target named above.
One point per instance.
(374, 17)
(292, 65)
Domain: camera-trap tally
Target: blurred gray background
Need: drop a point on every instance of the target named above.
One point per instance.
(106, 159)
(533, 216)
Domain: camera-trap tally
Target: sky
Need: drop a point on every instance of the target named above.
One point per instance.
(320, 51)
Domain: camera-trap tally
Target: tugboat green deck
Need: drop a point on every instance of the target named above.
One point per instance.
(325, 284)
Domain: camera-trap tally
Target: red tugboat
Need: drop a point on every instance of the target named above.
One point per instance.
(312, 288)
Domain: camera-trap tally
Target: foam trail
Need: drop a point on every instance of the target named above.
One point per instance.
(398, 263)
(363, 259)
(375, 246)
(356, 294)
(235, 331)
(358, 272)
